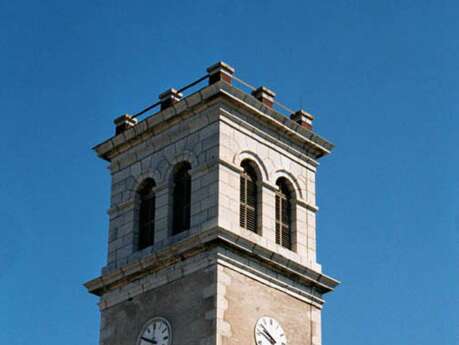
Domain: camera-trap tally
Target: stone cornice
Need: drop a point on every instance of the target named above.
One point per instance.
(259, 274)
(198, 101)
(284, 126)
(296, 153)
(204, 241)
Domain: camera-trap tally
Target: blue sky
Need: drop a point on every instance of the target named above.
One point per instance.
(381, 77)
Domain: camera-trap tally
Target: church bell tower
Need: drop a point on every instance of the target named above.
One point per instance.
(212, 235)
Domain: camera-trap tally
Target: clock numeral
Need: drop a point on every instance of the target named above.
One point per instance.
(157, 332)
(269, 332)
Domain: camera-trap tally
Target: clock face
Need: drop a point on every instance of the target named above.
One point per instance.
(156, 332)
(269, 332)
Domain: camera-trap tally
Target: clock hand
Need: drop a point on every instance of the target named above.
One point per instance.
(271, 340)
(151, 341)
(269, 334)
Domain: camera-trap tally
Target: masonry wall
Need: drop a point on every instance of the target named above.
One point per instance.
(213, 296)
(194, 140)
(214, 141)
(245, 300)
(244, 137)
(187, 303)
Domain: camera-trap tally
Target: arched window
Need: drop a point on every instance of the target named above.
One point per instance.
(249, 197)
(181, 196)
(284, 213)
(146, 214)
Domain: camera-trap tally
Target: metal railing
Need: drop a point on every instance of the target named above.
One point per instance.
(253, 88)
(279, 105)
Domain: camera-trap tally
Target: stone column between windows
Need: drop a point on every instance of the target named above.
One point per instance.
(204, 197)
(268, 212)
(162, 194)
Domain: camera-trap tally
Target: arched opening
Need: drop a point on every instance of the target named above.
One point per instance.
(146, 225)
(249, 197)
(181, 196)
(284, 213)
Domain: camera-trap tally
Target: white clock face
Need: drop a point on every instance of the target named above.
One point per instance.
(156, 332)
(269, 332)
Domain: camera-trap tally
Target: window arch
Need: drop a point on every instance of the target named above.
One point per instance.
(284, 213)
(146, 220)
(181, 198)
(249, 203)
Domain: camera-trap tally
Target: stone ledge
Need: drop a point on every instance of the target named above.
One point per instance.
(214, 259)
(188, 105)
(205, 241)
(308, 139)
(272, 281)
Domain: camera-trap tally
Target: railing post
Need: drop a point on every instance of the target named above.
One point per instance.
(303, 118)
(124, 122)
(220, 71)
(264, 95)
(169, 97)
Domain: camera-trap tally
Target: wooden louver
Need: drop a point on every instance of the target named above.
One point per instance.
(181, 199)
(248, 199)
(147, 215)
(283, 216)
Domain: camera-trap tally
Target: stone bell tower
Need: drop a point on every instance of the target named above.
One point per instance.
(212, 236)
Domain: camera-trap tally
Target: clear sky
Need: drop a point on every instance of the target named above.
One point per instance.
(381, 77)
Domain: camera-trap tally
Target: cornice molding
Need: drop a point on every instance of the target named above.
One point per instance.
(200, 101)
(203, 242)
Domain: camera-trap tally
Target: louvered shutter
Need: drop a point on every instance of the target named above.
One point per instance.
(251, 205)
(147, 217)
(242, 207)
(278, 223)
(283, 218)
(248, 212)
(181, 200)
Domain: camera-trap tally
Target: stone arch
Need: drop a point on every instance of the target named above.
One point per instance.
(134, 182)
(140, 180)
(185, 156)
(290, 178)
(252, 156)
